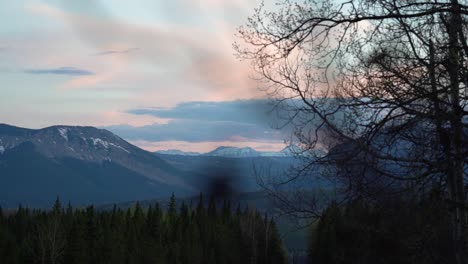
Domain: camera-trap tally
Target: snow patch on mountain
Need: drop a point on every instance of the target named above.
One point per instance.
(64, 133)
(98, 141)
(106, 145)
(117, 146)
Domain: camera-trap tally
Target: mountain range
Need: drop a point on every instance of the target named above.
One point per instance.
(84, 165)
(81, 165)
(235, 152)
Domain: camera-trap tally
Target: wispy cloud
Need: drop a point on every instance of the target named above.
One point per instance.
(72, 71)
(172, 54)
(146, 53)
(111, 52)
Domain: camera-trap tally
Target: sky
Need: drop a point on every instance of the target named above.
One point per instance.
(161, 74)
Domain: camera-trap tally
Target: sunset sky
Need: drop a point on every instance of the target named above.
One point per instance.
(161, 74)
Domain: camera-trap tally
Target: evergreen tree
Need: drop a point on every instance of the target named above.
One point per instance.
(138, 235)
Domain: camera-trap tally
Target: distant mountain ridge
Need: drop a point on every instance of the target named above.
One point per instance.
(235, 152)
(222, 151)
(177, 152)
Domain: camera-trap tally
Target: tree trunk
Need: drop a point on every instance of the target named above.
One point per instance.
(455, 173)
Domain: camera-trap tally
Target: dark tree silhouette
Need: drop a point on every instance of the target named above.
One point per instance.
(139, 235)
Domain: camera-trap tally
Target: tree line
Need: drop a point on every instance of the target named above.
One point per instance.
(391, 230)
(181, 233)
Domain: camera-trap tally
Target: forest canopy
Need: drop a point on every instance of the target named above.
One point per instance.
(180, 233)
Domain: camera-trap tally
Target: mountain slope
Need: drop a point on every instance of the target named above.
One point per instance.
(79, 164)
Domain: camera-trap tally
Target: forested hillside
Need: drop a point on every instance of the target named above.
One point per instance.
(180, 233)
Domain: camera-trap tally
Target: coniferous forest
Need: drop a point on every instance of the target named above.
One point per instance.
(180, 233)
(396, 230)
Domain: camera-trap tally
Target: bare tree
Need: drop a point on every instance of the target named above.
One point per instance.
(380, 84)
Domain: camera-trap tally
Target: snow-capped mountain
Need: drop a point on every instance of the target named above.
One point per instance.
(86, 143)
(80, 164)
(233, 152)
